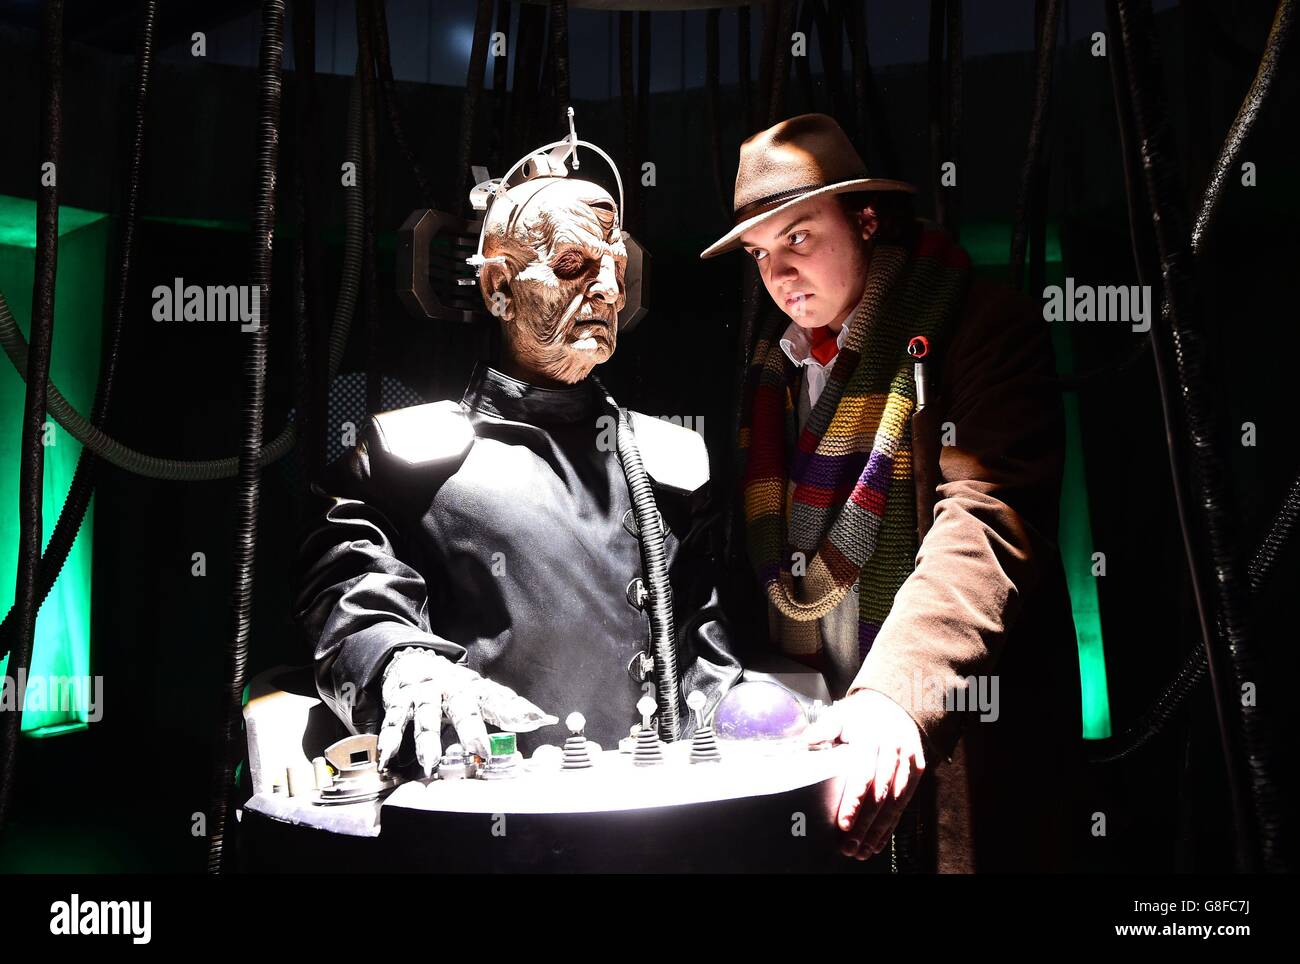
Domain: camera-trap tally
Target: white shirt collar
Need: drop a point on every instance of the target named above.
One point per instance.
(797, 343)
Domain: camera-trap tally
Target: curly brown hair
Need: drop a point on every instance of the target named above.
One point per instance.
(894, 210)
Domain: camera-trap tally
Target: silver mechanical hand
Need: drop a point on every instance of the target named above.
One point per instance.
(423, 686)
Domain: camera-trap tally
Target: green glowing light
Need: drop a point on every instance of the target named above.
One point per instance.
(989, 245)
(62, 644)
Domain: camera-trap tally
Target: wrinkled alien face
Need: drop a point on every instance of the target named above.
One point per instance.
(560, 292)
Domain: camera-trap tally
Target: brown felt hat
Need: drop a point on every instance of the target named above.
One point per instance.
(799, 158)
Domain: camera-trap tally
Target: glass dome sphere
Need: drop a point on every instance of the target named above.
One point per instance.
(761, 712)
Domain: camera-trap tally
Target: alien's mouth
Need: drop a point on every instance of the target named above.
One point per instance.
(590, 334)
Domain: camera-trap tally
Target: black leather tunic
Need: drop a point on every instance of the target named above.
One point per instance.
(515, 557)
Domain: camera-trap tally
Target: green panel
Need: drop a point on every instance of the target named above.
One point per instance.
(62, 645)
(989, 245)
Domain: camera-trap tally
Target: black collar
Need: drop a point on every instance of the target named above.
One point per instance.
(497, 394)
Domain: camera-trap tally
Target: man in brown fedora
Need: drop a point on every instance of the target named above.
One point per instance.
(902, 440)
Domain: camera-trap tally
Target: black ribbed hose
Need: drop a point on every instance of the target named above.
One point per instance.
(654, 563)
(110, 450)
(83, 479)
(1259, 89)
(1192, 671)
(1247, 742)
(31, 466)
(1033, 169)
(227, 749)
(388, 95)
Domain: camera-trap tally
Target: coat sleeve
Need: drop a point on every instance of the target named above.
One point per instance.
(993, 537)
(358, 597)
(704, 634)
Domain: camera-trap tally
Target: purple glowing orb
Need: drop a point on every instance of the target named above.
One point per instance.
(759, 710)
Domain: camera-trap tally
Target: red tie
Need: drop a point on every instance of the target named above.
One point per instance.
(825, 343)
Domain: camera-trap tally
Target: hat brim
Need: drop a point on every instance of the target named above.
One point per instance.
(731, 240)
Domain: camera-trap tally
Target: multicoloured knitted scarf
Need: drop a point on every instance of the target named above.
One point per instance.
(844, 512)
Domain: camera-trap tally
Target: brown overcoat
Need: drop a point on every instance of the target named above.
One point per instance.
(988, 599)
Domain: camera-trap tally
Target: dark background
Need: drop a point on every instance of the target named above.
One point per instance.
(121, 795)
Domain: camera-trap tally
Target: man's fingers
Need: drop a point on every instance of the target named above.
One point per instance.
(396, 713)
(875, 801)
(882, 799)
(857, 788)
(901, 790)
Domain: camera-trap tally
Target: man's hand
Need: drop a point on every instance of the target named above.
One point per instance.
(886, 767)
(422, 685)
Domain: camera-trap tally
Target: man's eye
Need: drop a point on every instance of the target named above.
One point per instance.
(758, 253)
(798, 237)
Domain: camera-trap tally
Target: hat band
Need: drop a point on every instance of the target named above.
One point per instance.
(772, 200)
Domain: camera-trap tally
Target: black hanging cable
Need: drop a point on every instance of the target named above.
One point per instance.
(309, 334)
(560, 55)
(1244, 732)
(502, 116)
(934, 91)
(460, 180)
(830, 40)
(873, 124)
(780, 60)
(1275, 540)
(31, 466)
(743, 71)
(855, 27)
(83, 478)
(767, 55)
(370, 203)
(528, 59)
(226, 749)
(544, 122)
(712, 98)
(388, 97)
(627, 104)
(1193, 669)
(1033, 169)
(952, 197)
(802, 68)
(1039, 196)
(1139, 226)
(642, 114)
(1278, 35)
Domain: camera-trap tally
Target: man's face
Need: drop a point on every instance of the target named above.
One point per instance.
(565, 283)
(812, 260)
